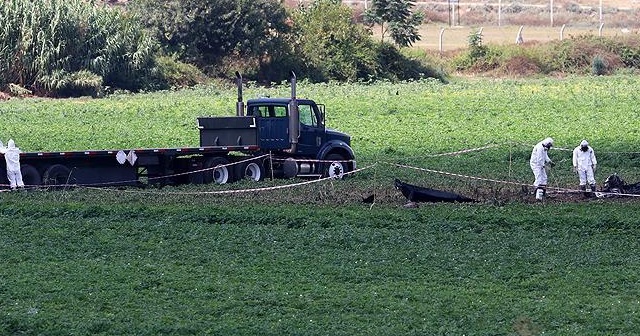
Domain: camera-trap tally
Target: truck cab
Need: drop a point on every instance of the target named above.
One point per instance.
(291, 130)
(272, 117)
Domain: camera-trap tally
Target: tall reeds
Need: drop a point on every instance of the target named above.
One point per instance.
(54, 47)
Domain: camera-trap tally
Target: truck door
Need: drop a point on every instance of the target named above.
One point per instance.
(312, 134)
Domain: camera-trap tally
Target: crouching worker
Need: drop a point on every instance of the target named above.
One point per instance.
(539, 159)
(584, 163)
(12, 158)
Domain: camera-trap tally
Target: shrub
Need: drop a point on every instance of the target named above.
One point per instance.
(629, 51)
(395, 65)
(598, 66)
(175, 74)
(333, 47)
(474, 56)
(206, 32)
(331, 44)
(575, 55)
(75, 84)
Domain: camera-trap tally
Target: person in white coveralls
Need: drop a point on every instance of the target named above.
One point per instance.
(12, 158)
(584, 163)
(539, 159)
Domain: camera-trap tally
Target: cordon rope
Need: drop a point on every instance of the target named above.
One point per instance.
(104, 186)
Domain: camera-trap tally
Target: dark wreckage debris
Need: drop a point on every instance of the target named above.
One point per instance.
(417, 194)
(614, 184)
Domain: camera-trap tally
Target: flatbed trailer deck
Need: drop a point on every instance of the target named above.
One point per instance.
(124, 166)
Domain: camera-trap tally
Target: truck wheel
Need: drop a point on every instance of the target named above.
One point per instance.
(219, 172)
(251, 171)
(57, 175)
(30, 175)
(335, 167)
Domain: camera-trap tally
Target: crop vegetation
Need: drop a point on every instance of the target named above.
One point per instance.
(314, 259)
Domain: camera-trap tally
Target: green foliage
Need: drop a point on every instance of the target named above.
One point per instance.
(476, 49)
(474, 56)
(333, 47)
(54, 47)
(175, 74)
(81, 83)
(331, 44)
(89, 262)
(395, 65)
(313, 259)
(206, 32)
(630, 51)
(575, 55)
(598, 66)
(397, 18)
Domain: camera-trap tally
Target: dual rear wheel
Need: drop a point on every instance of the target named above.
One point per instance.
(56, 175)
(221, 171)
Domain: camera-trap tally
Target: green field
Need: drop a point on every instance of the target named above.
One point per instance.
(314, 259)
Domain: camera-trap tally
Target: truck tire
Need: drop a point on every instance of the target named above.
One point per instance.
(335, 167)
(220, 175)
(57, 175)
(30, 175)
(251, 170)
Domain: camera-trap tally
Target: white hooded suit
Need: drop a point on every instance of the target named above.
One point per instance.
(584, 162)
(539, 158)
(12, 159)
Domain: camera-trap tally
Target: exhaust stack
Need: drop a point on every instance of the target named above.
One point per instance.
(240, 103)
(294, 116)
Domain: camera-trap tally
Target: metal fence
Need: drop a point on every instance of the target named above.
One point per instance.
(445, 38)
(618, 13)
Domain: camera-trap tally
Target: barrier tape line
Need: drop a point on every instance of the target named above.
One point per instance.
(465, 151)
(171, 175)
(97, 185)
(102, 186)
(125, 182)
(455, 153)
(237, 191)
(571, 149)
(566, 190)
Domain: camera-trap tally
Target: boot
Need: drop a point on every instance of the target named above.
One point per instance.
(540, 193)
(593, 190)
(584, 190)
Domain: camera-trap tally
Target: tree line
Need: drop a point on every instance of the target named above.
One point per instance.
(64, 48)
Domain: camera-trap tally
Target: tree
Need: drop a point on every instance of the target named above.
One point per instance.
(395, 17)
(204, 32)
(331, 44)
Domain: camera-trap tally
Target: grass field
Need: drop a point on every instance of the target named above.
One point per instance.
(131, 267)
(315, 260)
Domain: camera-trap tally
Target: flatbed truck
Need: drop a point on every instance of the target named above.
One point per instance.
(275, 137)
